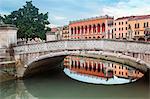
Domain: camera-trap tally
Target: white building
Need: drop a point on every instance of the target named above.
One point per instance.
(54, 34)
(8, 35)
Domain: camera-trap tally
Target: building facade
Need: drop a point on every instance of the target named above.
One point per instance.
(54, 34)
(138, 26)
(65, 32)
(51, 35)
(131, 28)
(120, 28)
(91, 28)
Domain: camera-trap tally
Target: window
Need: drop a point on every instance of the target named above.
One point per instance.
(71, 30)
(89, 28)
(122, 23)
(115, 29)
(138, 25)
(98, 27)
(115, 23)
(126, 34)
(144, 25)
(126, 22)
(75, 30)
(138, 32)
(135, 32)
(119, 23)
(94, 28)
(129, 26)
(147, 24)
(122, 35)
(122, 29)
(126, 28)
(119, 29)
(135, 25)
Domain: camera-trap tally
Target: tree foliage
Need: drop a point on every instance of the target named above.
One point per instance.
(29, 21)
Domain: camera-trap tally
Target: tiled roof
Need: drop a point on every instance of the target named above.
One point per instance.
(54, 30)
(134, 17)
(122, 18)
(140, 17)
(93, 18)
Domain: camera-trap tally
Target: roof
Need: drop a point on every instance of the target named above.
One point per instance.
(134, 17)
(93, 18)
(140, 17)
(54, 30)
(122, 18)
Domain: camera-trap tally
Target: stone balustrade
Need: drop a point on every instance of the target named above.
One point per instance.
(104, 45)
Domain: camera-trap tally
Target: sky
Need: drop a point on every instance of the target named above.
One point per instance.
(63, 11)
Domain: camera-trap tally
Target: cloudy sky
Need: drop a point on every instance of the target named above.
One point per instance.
(63, 11)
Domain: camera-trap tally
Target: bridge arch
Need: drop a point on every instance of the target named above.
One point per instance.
(47, 62)
(55, 49)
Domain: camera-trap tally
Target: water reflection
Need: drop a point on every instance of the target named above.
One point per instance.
(99, 72)
(56, 85)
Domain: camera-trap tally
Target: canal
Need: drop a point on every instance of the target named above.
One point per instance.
(104, 80)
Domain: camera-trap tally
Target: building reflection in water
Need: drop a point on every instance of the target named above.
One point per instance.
(99, 72)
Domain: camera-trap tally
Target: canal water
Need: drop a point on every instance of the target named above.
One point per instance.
(77, 80)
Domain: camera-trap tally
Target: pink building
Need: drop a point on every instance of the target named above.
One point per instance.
(120, 28)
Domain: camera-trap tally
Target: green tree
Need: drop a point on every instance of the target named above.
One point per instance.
(29, 21)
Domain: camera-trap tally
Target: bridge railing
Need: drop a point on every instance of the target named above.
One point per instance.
(141, 49)
(86, 45)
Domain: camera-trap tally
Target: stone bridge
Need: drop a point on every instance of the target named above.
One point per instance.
(30, 58)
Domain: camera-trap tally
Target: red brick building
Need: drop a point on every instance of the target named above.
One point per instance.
(91, 28)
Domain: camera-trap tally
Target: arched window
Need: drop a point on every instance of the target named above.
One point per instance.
(82, 29)
(75, 64)
(79, 64)
(85, 29)
(94, 28)
(75, 30)
(78, 30)
(98, 28)
(103, 27)
(71, 30)
(99, 67)
(94, 68)
(86, 66)
(90, 27)
(90, 68)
